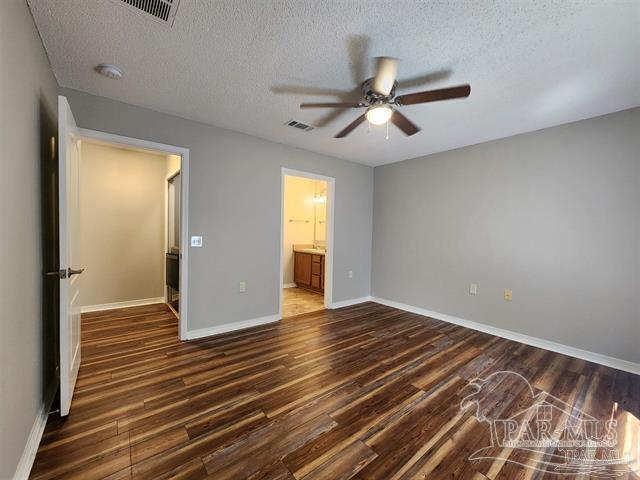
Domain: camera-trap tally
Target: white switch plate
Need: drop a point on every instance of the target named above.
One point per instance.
(350, 274)
(196, 241)
(473, 289)
(242, 287)
(508, 295)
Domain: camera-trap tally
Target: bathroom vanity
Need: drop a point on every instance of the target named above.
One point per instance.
(309, 269)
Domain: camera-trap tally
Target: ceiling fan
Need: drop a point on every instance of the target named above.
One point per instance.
(378, 97)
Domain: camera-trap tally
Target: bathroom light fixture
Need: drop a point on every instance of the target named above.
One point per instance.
(319, 198)
(379, 114)
(109, 71)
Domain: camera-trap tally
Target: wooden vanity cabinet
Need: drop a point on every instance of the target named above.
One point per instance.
(308, 271)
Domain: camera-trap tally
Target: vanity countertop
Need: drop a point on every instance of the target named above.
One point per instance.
(314, 251)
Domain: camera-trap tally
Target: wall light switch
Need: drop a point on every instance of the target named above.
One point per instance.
(242, 287)
(508, 294)
(196, 241)
(473, 289)
(350, 274)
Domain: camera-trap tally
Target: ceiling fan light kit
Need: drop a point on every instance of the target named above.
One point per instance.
(379, 114)
(378, 97)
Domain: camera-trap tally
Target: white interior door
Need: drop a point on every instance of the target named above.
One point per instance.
(70, 266)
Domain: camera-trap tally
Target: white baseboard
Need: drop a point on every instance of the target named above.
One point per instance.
(231, 327)
(289, 285)
(33, 440)
(128, 303)
(348, 303)
(599, 358)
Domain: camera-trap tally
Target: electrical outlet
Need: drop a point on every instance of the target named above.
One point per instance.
(242, 287)
(508, 295)
(473, 289)
(196, 241)
(350, 274)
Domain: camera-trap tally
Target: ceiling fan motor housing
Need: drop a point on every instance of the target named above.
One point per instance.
(374, 98)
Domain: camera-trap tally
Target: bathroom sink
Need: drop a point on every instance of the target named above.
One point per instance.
(317, 251)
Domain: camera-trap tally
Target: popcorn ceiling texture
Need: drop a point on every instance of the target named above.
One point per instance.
(531, 64)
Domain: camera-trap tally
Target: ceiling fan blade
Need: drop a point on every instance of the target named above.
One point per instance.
(419, 81)
(332, 105)
(403, 123)
(352, 126)
(305, 90)
(460, 91)
(358, 50)
(329, 117)
(386, 72)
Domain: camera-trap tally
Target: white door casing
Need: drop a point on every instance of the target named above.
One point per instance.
(184, 207)
(69, 146)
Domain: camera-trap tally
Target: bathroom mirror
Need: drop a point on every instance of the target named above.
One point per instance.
(320, 213)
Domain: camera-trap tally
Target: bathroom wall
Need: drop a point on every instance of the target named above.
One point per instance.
(122, 224)
(298, 219)
(320, 193)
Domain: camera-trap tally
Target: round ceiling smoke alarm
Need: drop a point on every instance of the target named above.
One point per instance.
(109, 71)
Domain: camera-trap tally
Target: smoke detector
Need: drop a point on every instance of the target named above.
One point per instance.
(109, 71)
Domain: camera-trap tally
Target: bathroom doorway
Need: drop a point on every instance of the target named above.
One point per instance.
(306, 262)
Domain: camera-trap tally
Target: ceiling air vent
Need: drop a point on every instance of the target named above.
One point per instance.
(299, 125)
(163, 11)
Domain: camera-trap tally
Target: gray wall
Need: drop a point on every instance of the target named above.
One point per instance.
(551, 214)
(122, 230)
(234, 202)
(27, 87)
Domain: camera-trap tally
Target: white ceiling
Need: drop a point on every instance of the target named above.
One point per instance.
(531, 65)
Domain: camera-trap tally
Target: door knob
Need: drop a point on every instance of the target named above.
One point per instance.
(62, 273)
(75, 272)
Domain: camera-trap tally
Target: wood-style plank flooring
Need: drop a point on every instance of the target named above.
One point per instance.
(364, 392)
(296, 301)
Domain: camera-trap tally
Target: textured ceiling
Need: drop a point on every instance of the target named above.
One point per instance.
(246, 65)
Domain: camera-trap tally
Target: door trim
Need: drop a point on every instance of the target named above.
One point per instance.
(167, 179)
(184, 207)
(331, 189)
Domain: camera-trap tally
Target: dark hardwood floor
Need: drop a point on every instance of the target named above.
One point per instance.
(363, 392)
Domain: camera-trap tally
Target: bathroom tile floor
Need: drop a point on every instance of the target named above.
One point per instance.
(296, 301)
